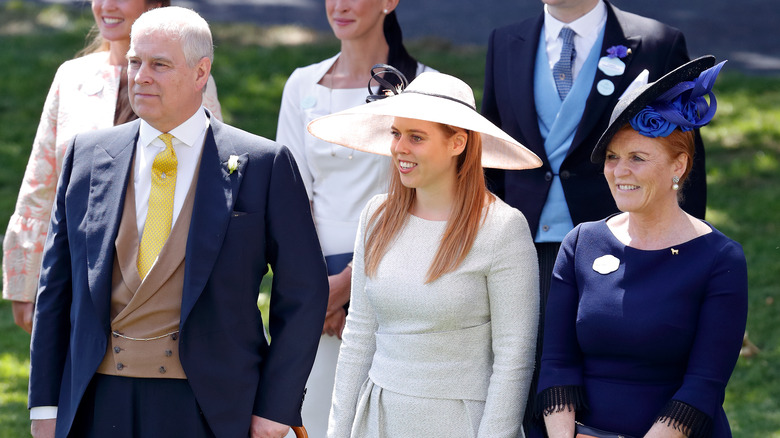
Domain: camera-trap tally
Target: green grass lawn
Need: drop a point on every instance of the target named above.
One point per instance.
(251, 66)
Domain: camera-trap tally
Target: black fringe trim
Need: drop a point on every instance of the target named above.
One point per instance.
(686, 419)
(558, 398)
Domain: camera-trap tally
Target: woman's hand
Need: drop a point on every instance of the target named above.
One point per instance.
(663, 430)
(339, 290)
(560, 424)
(23, 314)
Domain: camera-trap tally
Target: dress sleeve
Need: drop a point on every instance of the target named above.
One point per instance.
(358, 343)
(719, 333)
(210, 99)
(560, 375)
(513, 290)
(27, 228)
(291, 127)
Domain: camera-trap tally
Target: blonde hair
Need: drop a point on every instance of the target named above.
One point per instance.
(471, 197)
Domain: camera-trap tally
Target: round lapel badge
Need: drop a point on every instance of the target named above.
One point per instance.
(605, 87)
(308, 102)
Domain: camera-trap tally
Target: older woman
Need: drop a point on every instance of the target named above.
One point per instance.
(648, 307)
(88, 93)
(440, 337)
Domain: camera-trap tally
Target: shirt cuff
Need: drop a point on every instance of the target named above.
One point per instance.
(43, 412)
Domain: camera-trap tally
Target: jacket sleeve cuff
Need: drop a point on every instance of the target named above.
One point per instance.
(558, 398)
(685, 418)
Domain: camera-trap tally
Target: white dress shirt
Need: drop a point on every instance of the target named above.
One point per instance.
(586, 28)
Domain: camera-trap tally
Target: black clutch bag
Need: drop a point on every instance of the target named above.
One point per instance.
(583, 431)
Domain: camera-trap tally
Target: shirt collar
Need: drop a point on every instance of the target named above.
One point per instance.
(586, 26)
(187, 133)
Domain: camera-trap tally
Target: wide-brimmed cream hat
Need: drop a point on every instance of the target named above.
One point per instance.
(433, 97)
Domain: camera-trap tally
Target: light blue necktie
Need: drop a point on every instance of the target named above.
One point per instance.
(562, 69)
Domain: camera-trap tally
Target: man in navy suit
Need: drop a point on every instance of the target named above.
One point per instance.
(611, 51)
(176, 348)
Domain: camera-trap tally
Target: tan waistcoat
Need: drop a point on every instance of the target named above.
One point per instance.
(145, 314)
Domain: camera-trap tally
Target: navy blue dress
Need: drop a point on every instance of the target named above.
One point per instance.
(655, 335)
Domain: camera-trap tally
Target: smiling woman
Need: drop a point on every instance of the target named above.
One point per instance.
(425, 154)
(639, 169)
(440, 335)
(647, 308)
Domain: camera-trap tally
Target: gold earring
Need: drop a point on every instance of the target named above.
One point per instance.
(675, 180)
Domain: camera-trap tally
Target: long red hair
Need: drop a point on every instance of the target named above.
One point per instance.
(471, 197)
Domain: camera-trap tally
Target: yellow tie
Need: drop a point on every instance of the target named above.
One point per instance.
(160, 212)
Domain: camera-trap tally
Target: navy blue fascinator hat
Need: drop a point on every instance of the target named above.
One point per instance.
(676, 100)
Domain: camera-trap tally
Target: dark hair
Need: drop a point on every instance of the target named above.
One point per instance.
(398, 57)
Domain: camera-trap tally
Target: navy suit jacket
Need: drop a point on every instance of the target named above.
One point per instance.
(241, 222)
(509, 103)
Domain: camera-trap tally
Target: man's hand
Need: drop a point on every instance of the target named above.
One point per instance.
(265, 428)
(23, 314)
(334, 323)
(43, 428)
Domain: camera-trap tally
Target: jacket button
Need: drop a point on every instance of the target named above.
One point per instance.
(545, 228)
(565, 174)
(168, 353)
(548, 176)
(119, 366)
(162, 370)
(117, 349)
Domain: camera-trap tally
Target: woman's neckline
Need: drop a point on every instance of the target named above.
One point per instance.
(666, 248)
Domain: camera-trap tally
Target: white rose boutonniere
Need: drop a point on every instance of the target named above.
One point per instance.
(232, 163)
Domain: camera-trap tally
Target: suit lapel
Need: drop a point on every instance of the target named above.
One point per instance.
(597, 103)
(215, 197)
(112, 161)
(522, 53)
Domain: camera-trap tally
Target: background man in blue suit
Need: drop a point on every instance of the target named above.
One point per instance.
(172, 343)
(557, 101)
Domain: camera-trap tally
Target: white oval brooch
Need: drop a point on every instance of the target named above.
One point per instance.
(606, 264)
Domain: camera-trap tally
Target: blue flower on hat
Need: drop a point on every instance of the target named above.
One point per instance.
(649, 123)
(682, 106)
(688, 110)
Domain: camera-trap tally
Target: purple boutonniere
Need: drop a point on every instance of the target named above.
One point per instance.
(619, 51)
